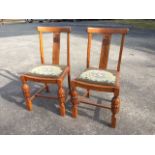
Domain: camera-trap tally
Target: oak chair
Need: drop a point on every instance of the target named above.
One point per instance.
(100, 79)
(49, 74)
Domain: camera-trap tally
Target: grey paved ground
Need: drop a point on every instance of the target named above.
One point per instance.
(19, 51)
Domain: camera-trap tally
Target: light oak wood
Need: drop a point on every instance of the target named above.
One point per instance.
(61, 95)
(54, 29)
(41, 48)
(26, 92)
(49, 80)
(88, 49)
(74, 100)
(56, 48)
(120, 53)
(107, 30)
(115, 103)
(105, 52)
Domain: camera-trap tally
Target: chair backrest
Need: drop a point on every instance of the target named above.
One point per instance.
(107, 35)
(56, 43)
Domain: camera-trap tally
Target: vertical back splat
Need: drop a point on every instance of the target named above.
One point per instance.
(56, 48)
(105, 51)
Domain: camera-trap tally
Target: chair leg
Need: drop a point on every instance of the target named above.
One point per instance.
(74, 99)
(26, 92)
(47, 88)
(115, 109)
(88, 93)
(69, 82)
(61, 95)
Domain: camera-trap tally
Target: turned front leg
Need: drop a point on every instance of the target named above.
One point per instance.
(26, 92)
(115, 109)
(61, 96)
(74, 99)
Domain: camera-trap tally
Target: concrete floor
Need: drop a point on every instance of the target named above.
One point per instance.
(19, 52)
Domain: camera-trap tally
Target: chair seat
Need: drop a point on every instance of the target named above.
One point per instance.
(50, 71)
(98, 76)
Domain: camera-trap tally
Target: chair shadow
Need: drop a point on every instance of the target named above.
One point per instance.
(96, 116)
(12, 93)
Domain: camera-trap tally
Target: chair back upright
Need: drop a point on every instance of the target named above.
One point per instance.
(106, 41)
(56, 43)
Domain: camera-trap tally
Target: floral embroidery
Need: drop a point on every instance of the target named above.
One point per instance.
(98, 76)
(47, 70)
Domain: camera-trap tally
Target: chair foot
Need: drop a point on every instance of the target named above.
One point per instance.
(29, 105)
(74, 98)
(47, 88)
(115, 110)
(113, 121)
(26, 91)
(62, 110)
(74, 112)
(61, 95)
(88, 93)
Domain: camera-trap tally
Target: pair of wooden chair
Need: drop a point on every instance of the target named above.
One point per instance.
(98, 79)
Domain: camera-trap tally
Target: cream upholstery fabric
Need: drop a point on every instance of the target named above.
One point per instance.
(98, 76)
(47, 70)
